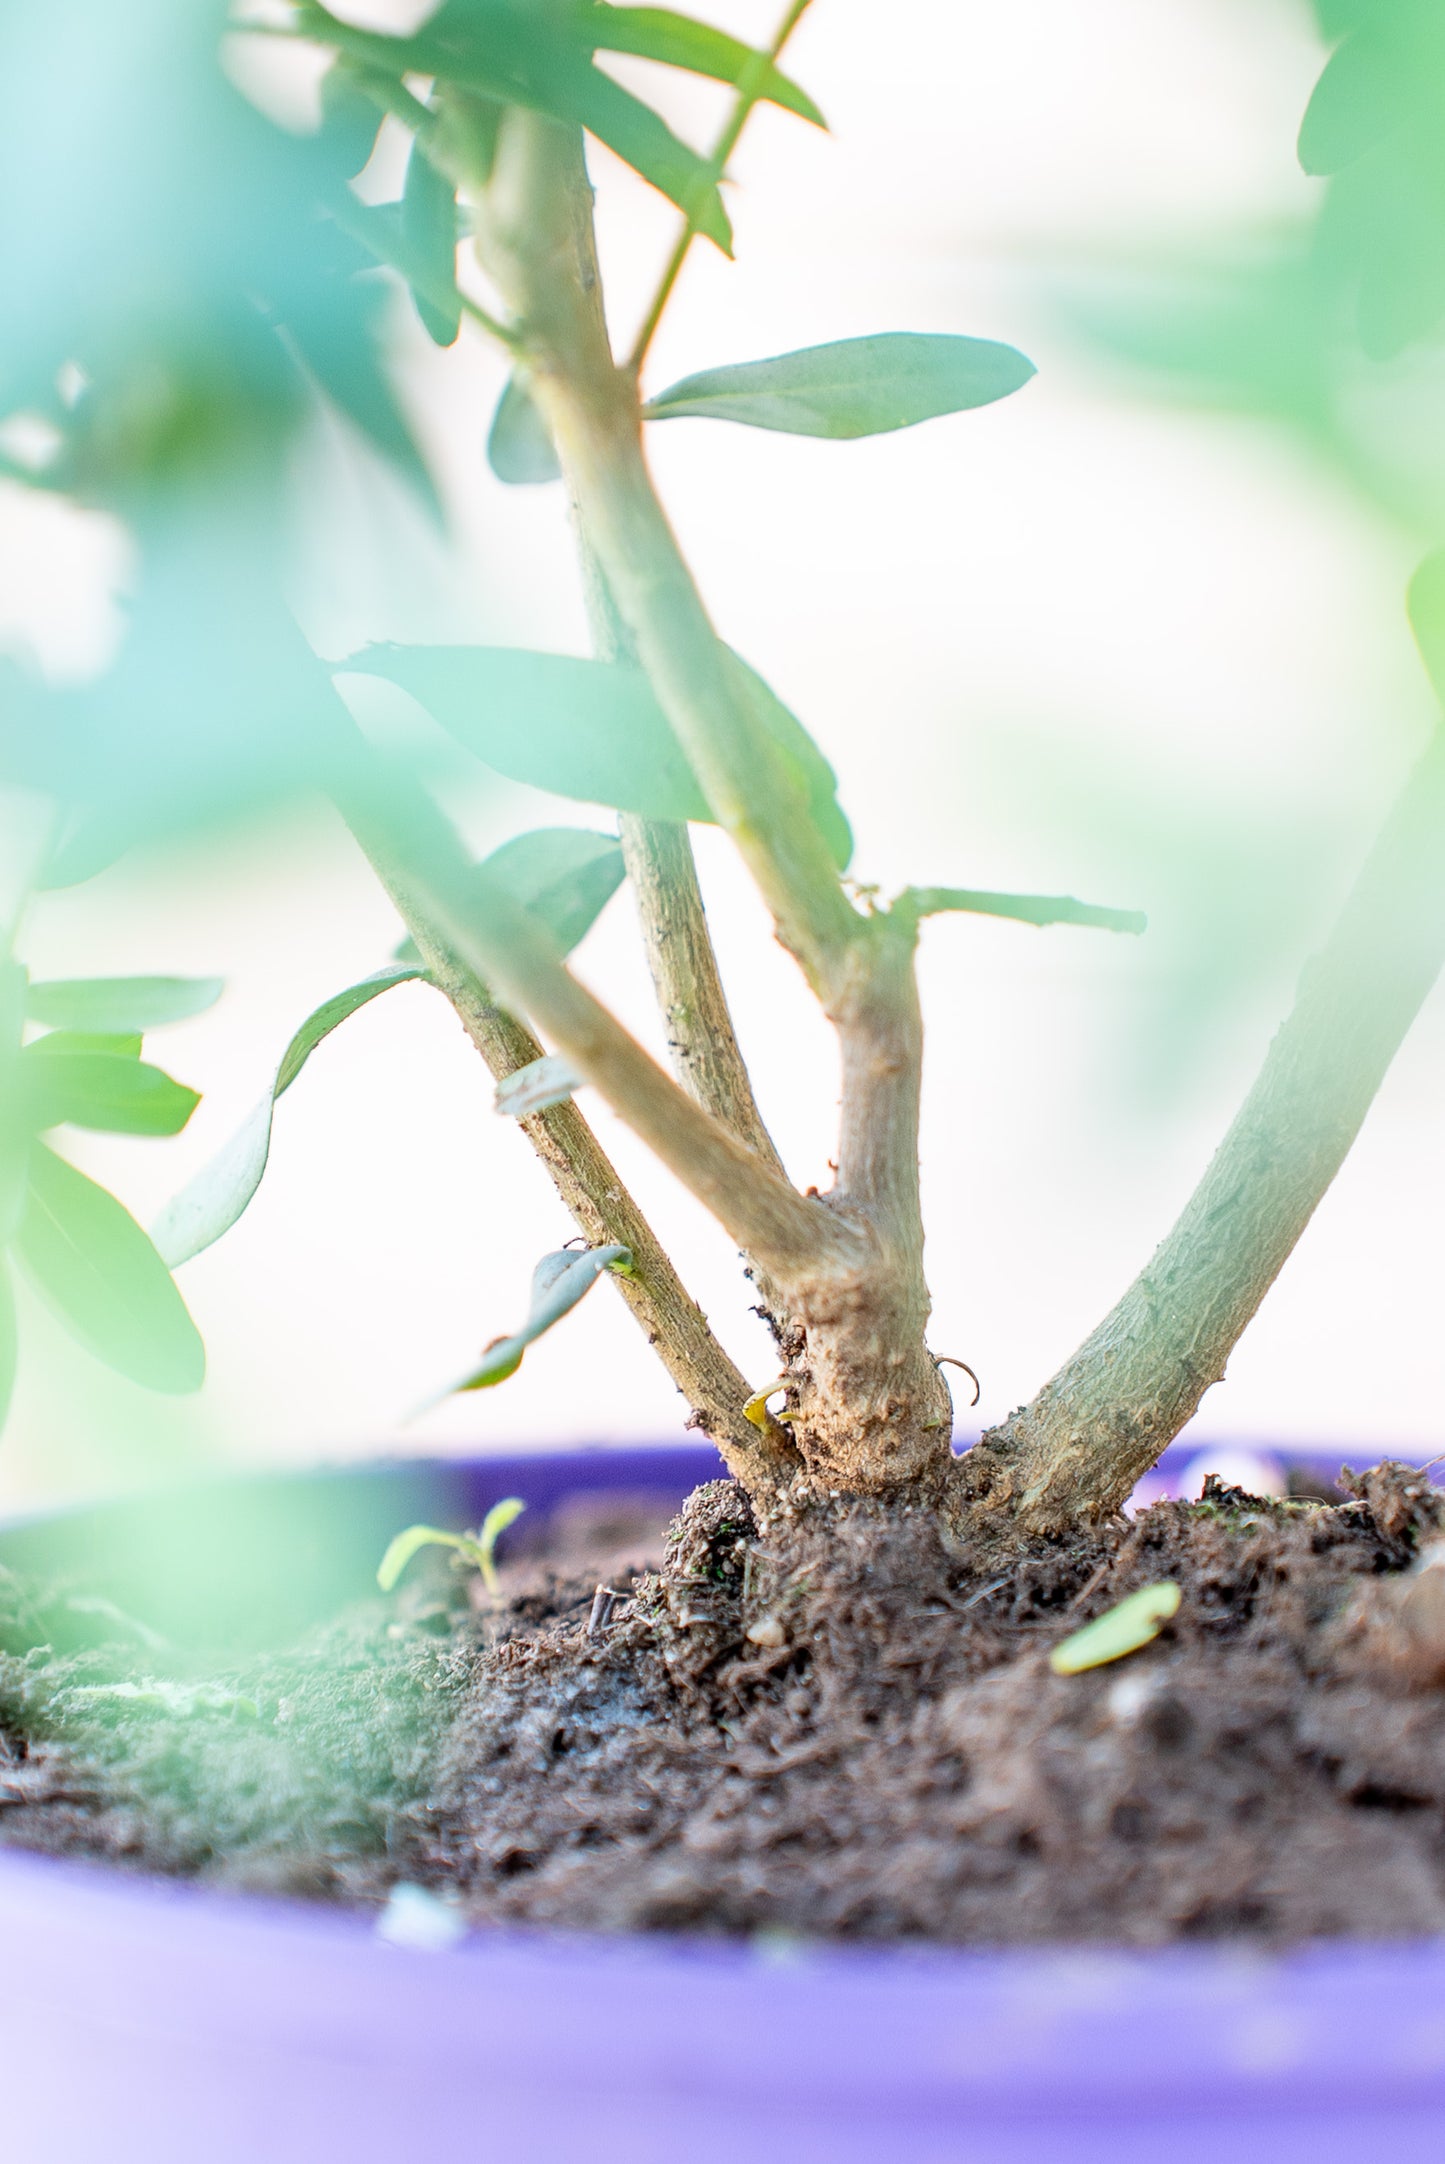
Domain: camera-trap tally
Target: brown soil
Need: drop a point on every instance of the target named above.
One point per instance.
(847, 1731)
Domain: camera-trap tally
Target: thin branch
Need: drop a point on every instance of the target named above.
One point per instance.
(601, 1208)
(1076, 1451)
(419, 855)
(1037, 909)
(700, 1035)
(750, 89)
(701, 1041)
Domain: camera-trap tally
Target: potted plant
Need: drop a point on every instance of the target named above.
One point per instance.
(876, 1690)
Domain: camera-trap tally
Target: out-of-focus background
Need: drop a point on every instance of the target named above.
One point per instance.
(1086, 640)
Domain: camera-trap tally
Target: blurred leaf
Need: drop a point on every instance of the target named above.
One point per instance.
(350, 117)
(107, 1091)
(536, 1087)
(681, 42)
(95, 1267)
(1425, 603)
(1134, 1622)
(1354, 106)
(405, 1545)
(854, 387)
(559, 1281)
(519, 449)
(210, 1204)
(65, 1042)
(15, 1138)
(8, 1345)
(590, 730)
(429, 222)
(118, 1005)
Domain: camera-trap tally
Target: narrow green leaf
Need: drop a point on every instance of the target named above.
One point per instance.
(564, 876)
(519, 449)
(559, 1281)
(1425, 604)
(816, 779)
(211, 1203)
(678, 41)
(429, 222)
(350, 117)
(1036, 909)
(8, 1342)
(407, 1544)
(118, 1005)
(64, 1042)
(855, 387)
(1356, 103)
(91, 1262)
(590, 730)
(1135, 1622)
(111, 1092)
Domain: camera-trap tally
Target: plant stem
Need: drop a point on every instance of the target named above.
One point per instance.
(750, 86)
(602, 1208)
(1076, 1451)
(419, 856)
(700, 1036)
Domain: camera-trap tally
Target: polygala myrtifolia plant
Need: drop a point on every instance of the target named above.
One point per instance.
(237, 277)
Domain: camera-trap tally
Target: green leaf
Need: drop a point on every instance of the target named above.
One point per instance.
(211, 1203)
(855, 387)
(111, 1092)
(1356, 103)
(409, 1543)
(591, 730)
(543, 61)
(91, 1262)
(680, 42)
(559, 1281)
(816, 779)
(1135, 1622)
(519, 449)
(429, 223)
(8, 1342)
(115, 1006)
(350, 117)
(67, 1041)
(565, 876)
(1036, 909)
(1425, 603)
(479, 1548)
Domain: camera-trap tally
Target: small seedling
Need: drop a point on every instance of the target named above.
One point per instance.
(478, 1548)
(1133, 1623)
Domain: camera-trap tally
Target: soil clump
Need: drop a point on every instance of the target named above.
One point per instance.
(841, 1731)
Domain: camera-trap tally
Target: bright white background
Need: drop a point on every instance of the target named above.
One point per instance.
(1077, 642)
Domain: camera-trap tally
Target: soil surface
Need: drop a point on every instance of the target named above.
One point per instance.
(846, 1731)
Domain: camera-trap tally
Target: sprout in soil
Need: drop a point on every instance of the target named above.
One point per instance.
(479, 1548)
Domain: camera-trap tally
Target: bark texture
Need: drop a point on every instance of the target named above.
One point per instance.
(1076, 1451)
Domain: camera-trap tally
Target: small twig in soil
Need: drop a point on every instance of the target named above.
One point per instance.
(603, 1602)
(983, 1593)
